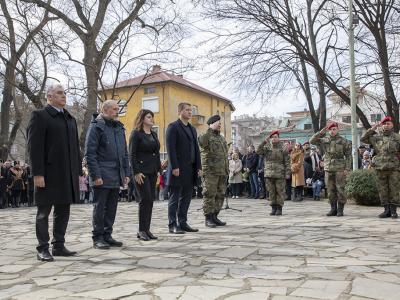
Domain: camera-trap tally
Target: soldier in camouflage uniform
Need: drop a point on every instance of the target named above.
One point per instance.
(386, 163)
(276, 170)
(337, 165)
(214, 159)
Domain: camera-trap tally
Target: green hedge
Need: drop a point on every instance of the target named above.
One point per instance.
(361, 185)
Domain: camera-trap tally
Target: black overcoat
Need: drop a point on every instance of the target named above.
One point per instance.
(179, 155)
(53, 147)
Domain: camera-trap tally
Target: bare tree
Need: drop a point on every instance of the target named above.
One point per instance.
(30, 23)
(281, 42)
(98, 25)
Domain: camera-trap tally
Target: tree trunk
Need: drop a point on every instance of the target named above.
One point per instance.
(5, 111)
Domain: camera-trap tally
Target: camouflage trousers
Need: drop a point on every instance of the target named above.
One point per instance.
(277, 190)
(335, 183)
(214, 188)
(388, 187)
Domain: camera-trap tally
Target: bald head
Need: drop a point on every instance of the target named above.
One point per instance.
(110, 109)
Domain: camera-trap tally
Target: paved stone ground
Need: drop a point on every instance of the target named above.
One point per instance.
(301, 255)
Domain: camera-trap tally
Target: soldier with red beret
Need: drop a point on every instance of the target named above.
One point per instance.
(337, 164)
(276, 169)
(386, 163)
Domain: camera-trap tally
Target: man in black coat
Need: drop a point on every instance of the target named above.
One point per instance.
(184, 166)
(108, 164)
(53, 147)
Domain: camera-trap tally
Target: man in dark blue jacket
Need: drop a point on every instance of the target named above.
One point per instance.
(183, 168)
(251, 167)
(108, 164)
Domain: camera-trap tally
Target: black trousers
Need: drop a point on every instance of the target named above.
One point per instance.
(105, 202)
(60, 223)
(146, 193)
(178, 204)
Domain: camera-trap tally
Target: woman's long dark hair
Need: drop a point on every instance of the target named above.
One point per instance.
(140, 118)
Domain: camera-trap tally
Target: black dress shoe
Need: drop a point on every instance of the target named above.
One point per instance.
(101, 244)
(62, 251)
(142, 235)
(187, 228)
(44, 255)
(112, 242)
(176, 230)
(151, 236)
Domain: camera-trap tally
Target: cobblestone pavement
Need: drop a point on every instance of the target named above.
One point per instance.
(301, 255)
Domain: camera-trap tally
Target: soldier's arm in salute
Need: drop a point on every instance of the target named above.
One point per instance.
(261, 149)
(316, 139)
(368, 137)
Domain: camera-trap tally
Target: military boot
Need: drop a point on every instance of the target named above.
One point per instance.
(386, 212)
(209, 221)
(340, 209)
(333, 211)
(217, 221)
(393, 211)
(278, 210)
(273, 211)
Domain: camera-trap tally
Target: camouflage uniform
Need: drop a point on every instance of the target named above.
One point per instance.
(386, 163)
(337, 159)
(214, 161)
(276, 168)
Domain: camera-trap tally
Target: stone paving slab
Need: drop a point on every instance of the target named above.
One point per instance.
(302, 255)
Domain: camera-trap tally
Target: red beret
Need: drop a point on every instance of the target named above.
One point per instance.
(330, 126)
(386, 119)
(274, 132)
(306, 143)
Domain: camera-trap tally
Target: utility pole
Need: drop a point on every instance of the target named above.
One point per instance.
(352, 23)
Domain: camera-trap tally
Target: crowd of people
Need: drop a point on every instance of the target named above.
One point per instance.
(201, 165)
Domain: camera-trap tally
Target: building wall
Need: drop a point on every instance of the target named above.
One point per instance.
(170, 95)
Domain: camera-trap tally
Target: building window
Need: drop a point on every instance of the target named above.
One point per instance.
(149, 90)
(346, 119)
(195, 110)
(122, 108)
(150, 103)
(376, 118)
(218, 112)
(217, 103)
(307, 126)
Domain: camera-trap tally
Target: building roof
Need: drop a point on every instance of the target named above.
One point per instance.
(157, 75)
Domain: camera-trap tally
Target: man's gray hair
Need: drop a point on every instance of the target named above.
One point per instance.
(108, 103)
(52, 87)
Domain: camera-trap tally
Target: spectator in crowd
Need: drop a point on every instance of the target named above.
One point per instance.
(53, 147)
(288, 180)
(360, 156)
(82, 188)
(108, 164)
(3, 185)
(235, 175)
(144, 150)
(318, 181)
(297, 169)
(251, 167)
(261, 178)
(366, 161)
(17, 184)
(184, 167)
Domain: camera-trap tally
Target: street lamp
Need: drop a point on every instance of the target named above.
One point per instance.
(353, 21)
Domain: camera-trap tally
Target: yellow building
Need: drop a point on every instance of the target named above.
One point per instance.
(161, 92)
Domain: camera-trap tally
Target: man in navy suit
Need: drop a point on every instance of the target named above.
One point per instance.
(183, 168)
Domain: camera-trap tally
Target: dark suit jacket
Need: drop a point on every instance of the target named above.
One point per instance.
(143, 156)
(53, 147)
(179, 154)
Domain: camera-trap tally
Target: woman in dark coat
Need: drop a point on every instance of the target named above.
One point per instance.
(144, 150)
(17, 184)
